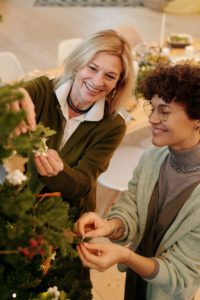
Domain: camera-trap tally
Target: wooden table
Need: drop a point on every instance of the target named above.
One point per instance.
(139, 119)
(181, 51)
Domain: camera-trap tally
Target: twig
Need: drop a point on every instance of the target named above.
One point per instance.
(7, 252)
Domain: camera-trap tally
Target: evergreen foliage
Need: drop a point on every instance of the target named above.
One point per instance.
(37, 246)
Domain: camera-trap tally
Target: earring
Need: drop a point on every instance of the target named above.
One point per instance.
(113, 93)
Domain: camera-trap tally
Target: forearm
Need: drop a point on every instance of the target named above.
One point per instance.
(143, 266)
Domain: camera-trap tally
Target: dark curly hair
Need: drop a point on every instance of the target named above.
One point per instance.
(179, 83)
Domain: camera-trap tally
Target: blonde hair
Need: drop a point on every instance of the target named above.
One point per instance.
(107, 41)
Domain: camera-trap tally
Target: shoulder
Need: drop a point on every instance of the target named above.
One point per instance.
(115, 119)
(111, 128)
(113, 123)
(153, 157)
(40, 87)
(40, 83)
(156, 152)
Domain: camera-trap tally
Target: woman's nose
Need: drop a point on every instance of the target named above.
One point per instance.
(154, 117)
(98, 79)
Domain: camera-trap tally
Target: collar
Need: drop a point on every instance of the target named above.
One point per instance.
(96, 113)
(187, 158)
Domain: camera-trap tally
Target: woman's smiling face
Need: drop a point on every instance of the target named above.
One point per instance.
(178, 131)
(97, 79)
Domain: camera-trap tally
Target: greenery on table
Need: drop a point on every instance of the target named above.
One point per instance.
(38, 258)
(148, 56)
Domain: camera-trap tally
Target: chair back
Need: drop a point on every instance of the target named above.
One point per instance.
(10, 67)
(130, 34)
(120, 170)
(65, 47)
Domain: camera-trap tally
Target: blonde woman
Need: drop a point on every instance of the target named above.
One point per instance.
(82, 106)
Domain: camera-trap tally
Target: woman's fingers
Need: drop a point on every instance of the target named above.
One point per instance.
(88, 225)
(82, 256)
(22, 127)
(99, 232)
(42, 165)
(89, 258)
(54, 160)
(27, 104)
(49, 164)
(102, 256)
(96, 256)
(85, 223)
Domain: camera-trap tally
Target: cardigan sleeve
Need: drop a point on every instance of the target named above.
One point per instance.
(179, 261)
(126, 210)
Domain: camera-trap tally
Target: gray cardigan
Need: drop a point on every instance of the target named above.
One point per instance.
(178, 254)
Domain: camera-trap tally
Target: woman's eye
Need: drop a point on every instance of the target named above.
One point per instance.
(92, 68)
(111, 77)
(165, 112)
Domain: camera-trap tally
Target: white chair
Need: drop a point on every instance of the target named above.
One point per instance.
(130, 34)
(65, 47)
(10, 67)
(118, 174)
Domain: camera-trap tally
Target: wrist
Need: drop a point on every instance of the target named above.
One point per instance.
(117, 228)
(127, 256)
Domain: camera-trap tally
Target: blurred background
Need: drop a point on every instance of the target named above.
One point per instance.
(34, 32)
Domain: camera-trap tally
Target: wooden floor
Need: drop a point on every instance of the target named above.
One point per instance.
(33, 33)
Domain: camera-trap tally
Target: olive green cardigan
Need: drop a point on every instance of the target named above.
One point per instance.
(86, 154)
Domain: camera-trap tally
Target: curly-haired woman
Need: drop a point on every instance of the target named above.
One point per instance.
(159, 215)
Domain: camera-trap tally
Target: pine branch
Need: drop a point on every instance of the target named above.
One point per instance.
(37, 244)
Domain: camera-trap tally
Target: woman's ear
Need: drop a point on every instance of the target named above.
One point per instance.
(197, 125)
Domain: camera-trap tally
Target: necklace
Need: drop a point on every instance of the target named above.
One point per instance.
(76, 109)
(183, 169)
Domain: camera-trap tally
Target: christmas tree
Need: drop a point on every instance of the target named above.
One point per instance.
(38, 258)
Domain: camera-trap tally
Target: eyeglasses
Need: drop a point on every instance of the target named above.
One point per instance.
(163, 111)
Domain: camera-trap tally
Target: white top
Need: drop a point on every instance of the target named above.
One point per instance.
(70, 125)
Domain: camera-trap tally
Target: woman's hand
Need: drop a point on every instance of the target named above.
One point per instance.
(91, 225)
(27, 105)
(102, 256)
(49, 164)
